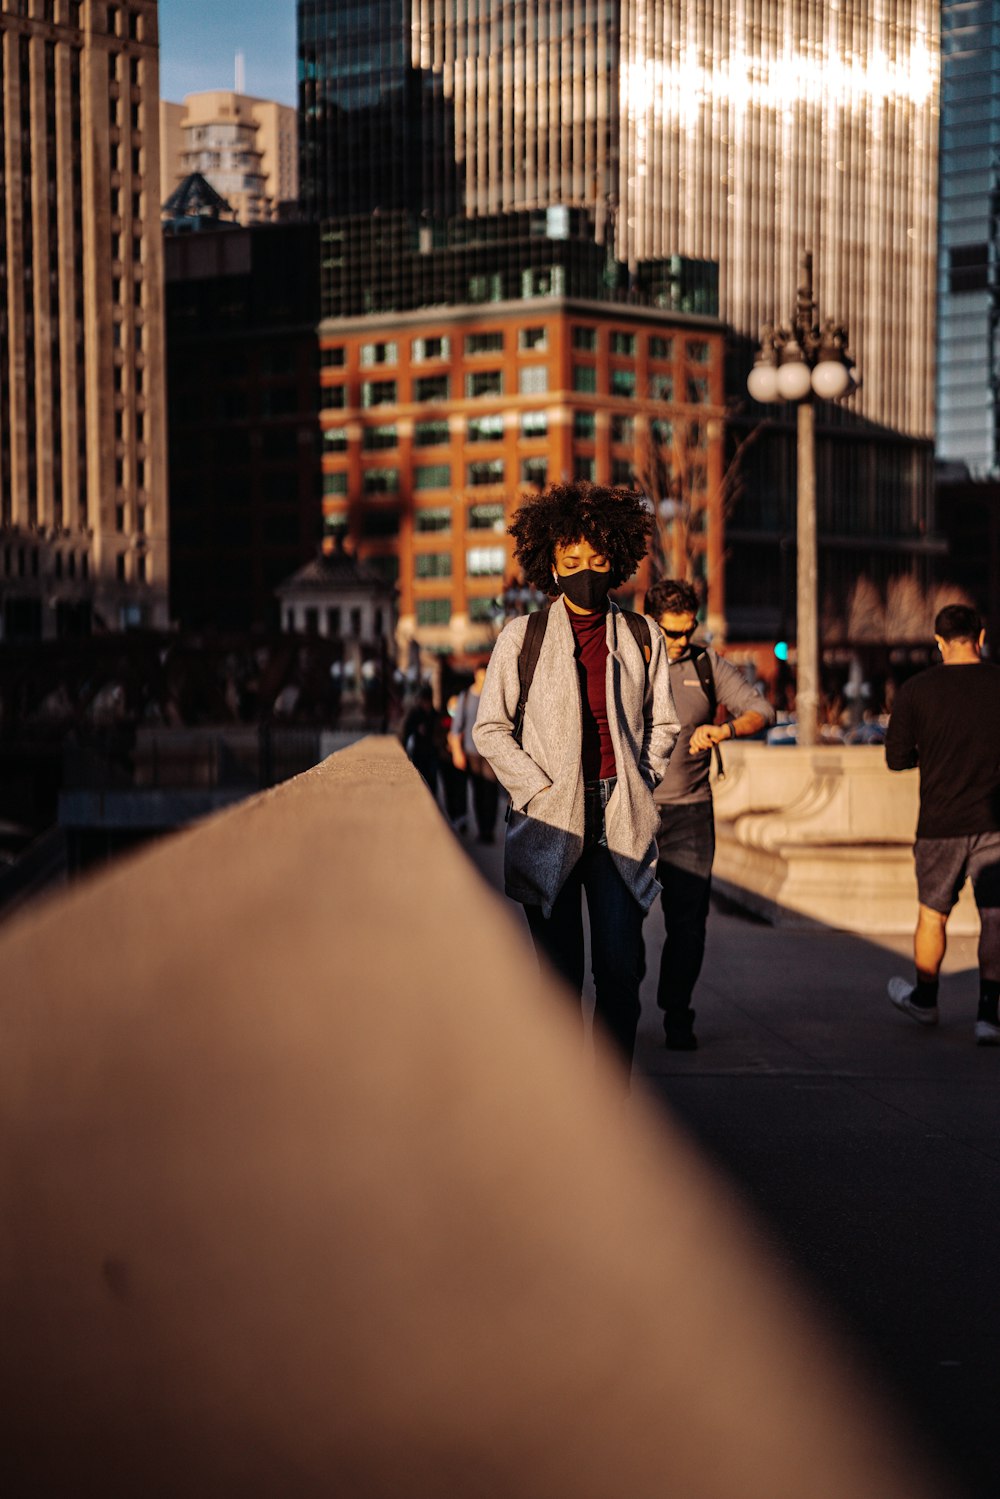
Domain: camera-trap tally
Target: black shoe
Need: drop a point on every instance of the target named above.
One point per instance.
(679, 1033)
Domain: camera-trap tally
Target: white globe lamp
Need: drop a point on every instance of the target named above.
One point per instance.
(831, 379)
(762, 382)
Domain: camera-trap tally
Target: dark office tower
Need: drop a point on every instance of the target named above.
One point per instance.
(376, 132)
(83, 504)
(968, 383)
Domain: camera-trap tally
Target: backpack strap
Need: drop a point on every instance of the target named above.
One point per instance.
(706, 676)
(527, 660)
(639, 625)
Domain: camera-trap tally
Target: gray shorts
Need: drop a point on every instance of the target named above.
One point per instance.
(943, 864)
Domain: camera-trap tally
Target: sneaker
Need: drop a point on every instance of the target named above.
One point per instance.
(987, 1034)
(901, 993)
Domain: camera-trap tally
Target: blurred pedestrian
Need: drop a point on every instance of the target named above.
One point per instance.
(577, 721)
(421, 737)
(700, 680)
(466, 757)
(946, 720)
(454, 781)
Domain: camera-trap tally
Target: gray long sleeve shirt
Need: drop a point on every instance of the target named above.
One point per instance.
(687, 775)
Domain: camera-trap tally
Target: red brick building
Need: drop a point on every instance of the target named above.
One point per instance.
(435, 425)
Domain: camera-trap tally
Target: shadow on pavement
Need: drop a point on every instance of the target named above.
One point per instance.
(866, 1144)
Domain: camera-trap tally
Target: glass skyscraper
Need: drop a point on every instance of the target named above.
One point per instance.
(741, 131)
(968, 376)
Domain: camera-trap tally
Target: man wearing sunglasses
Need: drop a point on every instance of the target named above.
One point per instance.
(700, 681)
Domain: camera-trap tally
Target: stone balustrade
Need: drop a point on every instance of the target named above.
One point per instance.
(308, 1187)
(821, 835)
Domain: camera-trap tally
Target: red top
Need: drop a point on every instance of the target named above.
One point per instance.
(590, 636)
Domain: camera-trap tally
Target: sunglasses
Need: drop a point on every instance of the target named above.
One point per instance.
(678, 634)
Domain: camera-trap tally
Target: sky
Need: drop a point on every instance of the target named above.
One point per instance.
(199, 40)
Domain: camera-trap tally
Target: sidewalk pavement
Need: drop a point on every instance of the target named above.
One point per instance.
(867, 1146)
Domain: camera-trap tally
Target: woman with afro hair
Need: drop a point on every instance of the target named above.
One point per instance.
(596, 733)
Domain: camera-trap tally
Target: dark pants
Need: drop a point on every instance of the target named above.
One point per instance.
(456, 790)
(485, 800)
(686, 843)
(616, 920)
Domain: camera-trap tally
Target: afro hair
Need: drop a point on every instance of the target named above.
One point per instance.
(616, 523)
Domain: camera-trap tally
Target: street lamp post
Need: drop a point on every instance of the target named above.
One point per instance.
(799, 363)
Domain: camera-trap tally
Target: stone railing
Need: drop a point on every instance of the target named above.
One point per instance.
(821, 835)
(308, 1187)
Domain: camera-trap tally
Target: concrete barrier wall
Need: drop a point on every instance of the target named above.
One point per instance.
(822, 835)
(307, 1188)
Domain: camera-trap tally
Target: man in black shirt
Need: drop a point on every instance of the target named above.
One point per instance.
(947, 721)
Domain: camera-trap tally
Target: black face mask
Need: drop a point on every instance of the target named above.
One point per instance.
(586, 589)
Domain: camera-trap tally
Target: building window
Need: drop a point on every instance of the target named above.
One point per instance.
(661, 387)
(585, 378)
(433, 611)
(333, 358)
(431, 388)
(333, 620)
(484, 562)
(533, 379)
(584, 425)
(534, 424)
(485, 610)
(585, 339)
(334, 397)
(422, 349)
(335, 483)
(661, 348)
(622, 343)
(120, 567)
(621, 472)
(375, 439)
(533, 338)
(488, 471)
(433, 518)
(432, 476)
(335, 439)
(583, 468)
(355, 618)
(480, 383)
(142, 567)
(485, 428)
(372, 354)
(534, 471)
(380, 480)
(378, 393)
(623, 383)
(623, 429)
(483, 343)
(486, 517)
(430, 434)
(697, 350)
(697, 390)
(432, 564)
(661, 432)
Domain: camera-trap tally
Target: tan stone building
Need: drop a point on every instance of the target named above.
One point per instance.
(83, 524)
(245, 147)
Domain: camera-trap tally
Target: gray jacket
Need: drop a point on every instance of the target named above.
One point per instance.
(545, 831)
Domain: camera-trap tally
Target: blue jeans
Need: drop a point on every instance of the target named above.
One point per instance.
(615, 928)
(686, 843)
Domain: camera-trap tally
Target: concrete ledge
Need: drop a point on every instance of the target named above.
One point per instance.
(306, 1188)
(822, 837)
